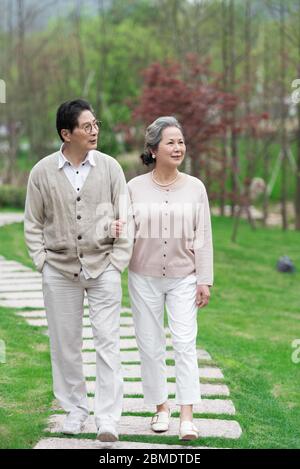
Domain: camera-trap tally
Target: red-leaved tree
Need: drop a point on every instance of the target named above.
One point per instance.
(193, 94)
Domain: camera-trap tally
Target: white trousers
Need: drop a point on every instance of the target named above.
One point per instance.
(148, 297)
(64, 309)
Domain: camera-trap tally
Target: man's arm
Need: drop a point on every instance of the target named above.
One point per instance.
(34, 223)
(123, 245)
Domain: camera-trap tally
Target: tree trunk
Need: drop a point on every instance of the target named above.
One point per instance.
(297, 198)
(81, 58)
(297, 195)
(244, 198)
(266, 105)
(223, 175)
(234, 156)
(13, 108)
(195, 165)
(283, 135)
(101, 75)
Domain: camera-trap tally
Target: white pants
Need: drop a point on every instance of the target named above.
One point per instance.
(148, 297)
(64, 309)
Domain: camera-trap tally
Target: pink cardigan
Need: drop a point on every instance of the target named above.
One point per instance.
(172, 229)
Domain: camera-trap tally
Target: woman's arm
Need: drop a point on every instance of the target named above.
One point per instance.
(203, 246)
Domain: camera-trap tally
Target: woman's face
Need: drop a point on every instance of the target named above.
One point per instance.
(171, 148)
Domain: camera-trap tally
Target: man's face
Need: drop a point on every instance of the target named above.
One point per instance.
(85, 135)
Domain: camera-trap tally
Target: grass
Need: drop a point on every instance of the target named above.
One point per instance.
(25, 383)
(12, 244)
(10, 210)
(248, 328)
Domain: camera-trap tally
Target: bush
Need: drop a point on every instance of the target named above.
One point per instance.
(12, 196)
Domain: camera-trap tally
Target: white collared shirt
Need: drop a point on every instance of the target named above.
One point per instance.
(77, 176)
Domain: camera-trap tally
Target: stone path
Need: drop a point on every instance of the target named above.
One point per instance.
(21, 288)
(8, 218)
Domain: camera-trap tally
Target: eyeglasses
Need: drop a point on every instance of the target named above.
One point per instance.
(88, 127)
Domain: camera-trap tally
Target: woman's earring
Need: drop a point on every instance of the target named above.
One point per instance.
(153, 156)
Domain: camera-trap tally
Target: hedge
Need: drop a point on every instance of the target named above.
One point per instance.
(12, 196)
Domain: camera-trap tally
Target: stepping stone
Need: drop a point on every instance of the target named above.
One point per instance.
(40, 319)
(37, 322)
(134, 371)
(131, 404)
(22, 295)
(25, 295)
(129, 371)
(8, 218)
(207, 406)
(124, 320)
(128, 330)
(124, 332)
(133, 356)
(29, 303)
(210, 372)
(125, 344)
(20, 282)
(20, 276)
(4, 268)
(9, 262)
(131, 343)
(39, 314)
(24, 303)
(80, 443)
(20, 288)
(135, 387)
(5, 263)
(208, 428)
(87, 330)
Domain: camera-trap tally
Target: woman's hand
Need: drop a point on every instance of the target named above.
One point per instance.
(116, 228)
(202, 295)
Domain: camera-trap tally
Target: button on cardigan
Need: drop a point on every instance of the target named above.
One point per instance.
(173, 236)
(77, 177)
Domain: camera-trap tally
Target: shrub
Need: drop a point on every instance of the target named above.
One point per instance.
(12, 196)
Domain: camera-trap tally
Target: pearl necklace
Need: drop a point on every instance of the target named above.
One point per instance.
(168, 183)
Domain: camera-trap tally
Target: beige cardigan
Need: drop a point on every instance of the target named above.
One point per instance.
(173, 229)
(69, 229)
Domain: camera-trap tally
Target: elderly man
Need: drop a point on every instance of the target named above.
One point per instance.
(72, 197)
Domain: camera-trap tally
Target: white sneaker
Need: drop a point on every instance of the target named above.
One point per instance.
(107, 432)
(188, 431)
(160, 422)
(74, 423)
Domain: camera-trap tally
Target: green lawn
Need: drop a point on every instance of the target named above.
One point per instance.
(248, 328)
(25, 382)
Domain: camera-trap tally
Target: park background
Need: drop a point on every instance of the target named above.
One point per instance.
(228, 71)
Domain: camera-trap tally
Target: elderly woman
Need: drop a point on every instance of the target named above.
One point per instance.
(172, 267)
